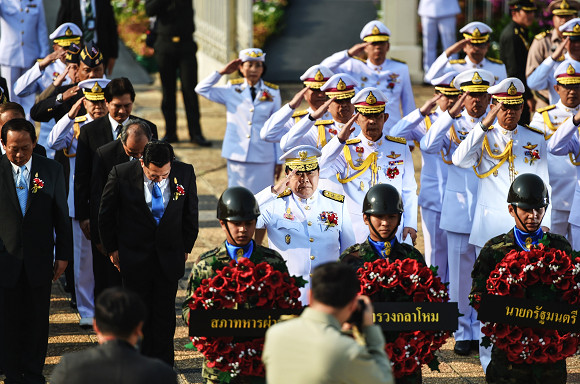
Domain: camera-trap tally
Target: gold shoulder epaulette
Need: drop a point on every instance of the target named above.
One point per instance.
(497, 61)
(236, 81)
(534, 129)
(300, 113)
(540, 110)
(271, 85)
(80, 119)
(457, 61)
(352, 141)
(323, 122)
(39, 60)
(401, 140)
(287, 192)
(359, 59)
(541, 35)
(398, 60)
(333, 196)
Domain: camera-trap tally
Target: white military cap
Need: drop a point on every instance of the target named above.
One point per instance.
(369, 100)
(568, 72)
(444, 84)
(474, 80)
(340, 86)
(508, 91)
(571, 29)
(316, 76)
(375, 31)
(252, 54)
(302, 158)
(66, 34)
(477, 32)
(94, 89)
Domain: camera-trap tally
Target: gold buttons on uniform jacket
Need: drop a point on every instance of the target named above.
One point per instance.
(249, 123)
(309, 223)
(251, 109)
(248, 136)
(311, 240)
(312, 257)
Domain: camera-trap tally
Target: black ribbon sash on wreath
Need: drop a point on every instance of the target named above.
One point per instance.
(557, 316)
(389, 316)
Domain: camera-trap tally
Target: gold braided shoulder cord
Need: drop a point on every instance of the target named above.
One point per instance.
(502, 157)
(76, 132)
(550, 125)
(427, 123)
(321, 136)
(370, 162)
(452, 138)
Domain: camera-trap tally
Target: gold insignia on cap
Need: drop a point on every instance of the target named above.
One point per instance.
(341, 86)
(576, 28)
(375, 30)
(96, 88)
(476, 79)
(254, 54)
(564, 5)
(68, 32)
(476, 33)
(319, 76)
(512, 90)
(371, 99)
(451, 83)
(303, 155)
(570, 70)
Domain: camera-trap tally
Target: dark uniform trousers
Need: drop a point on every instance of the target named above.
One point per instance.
(106, 275)
(175, 57)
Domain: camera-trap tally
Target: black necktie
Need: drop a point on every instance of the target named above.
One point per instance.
(118, 131)
(253, 90)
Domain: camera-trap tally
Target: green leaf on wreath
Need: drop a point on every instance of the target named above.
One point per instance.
(300, 281)
(434, 269)
(216, 264)
(434, 364)
(224, 377)
(190, 346)
(485, 342)
(545, 240)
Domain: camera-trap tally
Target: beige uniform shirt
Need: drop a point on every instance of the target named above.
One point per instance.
(543, 45)
(311, 349)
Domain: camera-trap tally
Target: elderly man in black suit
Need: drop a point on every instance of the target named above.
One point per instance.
(35, 246)
(149, 223)
(97, 20)
(134, 136)
(118, 323)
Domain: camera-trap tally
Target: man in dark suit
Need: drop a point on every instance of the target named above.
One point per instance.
(129, 147)
(175, 53)
(10, 110)
(149, 223)
(62, 99)
(118, 323)
(35, 246)
(103, 23)
(119, 98)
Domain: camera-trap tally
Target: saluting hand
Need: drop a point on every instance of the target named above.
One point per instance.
(457, 47)
(564, 45)
(458, 106)
(50, 58)
(357, 49)
(322, 109)
(231, 67)
(429, 104)
(297, 99)
(74, 111)
(69, 93)
(61, 77)
(347, 129)
(490, 118)
(282, 184)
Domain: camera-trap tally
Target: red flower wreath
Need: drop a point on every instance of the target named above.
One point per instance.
(544, 274)
(235, 285)
(408, 281)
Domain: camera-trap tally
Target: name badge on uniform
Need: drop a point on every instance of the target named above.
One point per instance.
(287, 239)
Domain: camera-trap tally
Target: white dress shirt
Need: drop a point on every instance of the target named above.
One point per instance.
(16, 172)
(148, 189)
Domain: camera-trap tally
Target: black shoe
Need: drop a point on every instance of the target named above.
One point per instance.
(170, 139)
(201, 141)
(475, 345)
(462, 347)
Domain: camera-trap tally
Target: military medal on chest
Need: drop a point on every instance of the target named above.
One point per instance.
(392, 79)
(531, 153)
(393, 170)
(360, 153)
(328, 218)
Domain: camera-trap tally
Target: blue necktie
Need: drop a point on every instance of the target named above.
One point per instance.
(21, 190)
(157, 203)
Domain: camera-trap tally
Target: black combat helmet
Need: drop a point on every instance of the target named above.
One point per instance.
(237, 204)
(528, 191)
(382, 199)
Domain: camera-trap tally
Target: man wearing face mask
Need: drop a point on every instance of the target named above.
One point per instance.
(460, 195)
(282, 120)
(528, 198)
(308, 226)
(475, 45)
(562, 168)
(237, 212)
(371, 158)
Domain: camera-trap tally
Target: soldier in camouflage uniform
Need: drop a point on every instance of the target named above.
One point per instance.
(237, 212)
(382, 210)
(528, 199)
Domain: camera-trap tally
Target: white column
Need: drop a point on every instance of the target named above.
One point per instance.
(401, 18)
